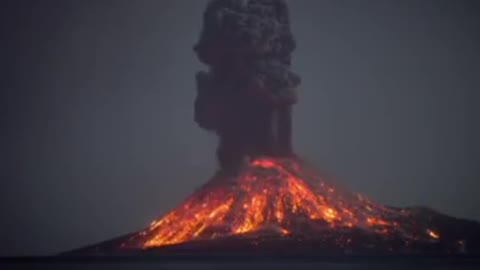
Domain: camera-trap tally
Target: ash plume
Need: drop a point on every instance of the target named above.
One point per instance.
(246, 96)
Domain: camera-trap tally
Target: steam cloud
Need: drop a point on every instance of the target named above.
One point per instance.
(247, 94)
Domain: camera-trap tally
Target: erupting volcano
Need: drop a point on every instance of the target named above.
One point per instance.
(264, 197)
(283, 198)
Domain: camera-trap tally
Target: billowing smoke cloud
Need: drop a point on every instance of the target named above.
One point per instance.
(247, 94)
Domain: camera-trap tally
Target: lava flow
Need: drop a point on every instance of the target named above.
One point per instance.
(279, 196)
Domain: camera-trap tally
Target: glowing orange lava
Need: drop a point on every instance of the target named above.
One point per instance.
(433, 234)
(271, 193)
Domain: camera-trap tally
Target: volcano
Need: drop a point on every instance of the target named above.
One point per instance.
(264, 197)
(284, 205)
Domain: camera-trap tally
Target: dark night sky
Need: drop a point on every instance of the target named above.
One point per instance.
(97, 98)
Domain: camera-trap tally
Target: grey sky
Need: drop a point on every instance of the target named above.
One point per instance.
(97, 123)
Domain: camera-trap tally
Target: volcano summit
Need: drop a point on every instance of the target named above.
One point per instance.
(265, 198)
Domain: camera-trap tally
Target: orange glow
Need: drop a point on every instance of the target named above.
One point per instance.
(267, 192)
(433, 234)
(375, 221)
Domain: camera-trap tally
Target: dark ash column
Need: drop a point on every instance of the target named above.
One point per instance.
(247, 94)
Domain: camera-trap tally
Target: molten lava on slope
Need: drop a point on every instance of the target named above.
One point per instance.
(283, 197)
(282, 205)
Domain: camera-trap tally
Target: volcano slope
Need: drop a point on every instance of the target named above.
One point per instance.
(284, 206)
